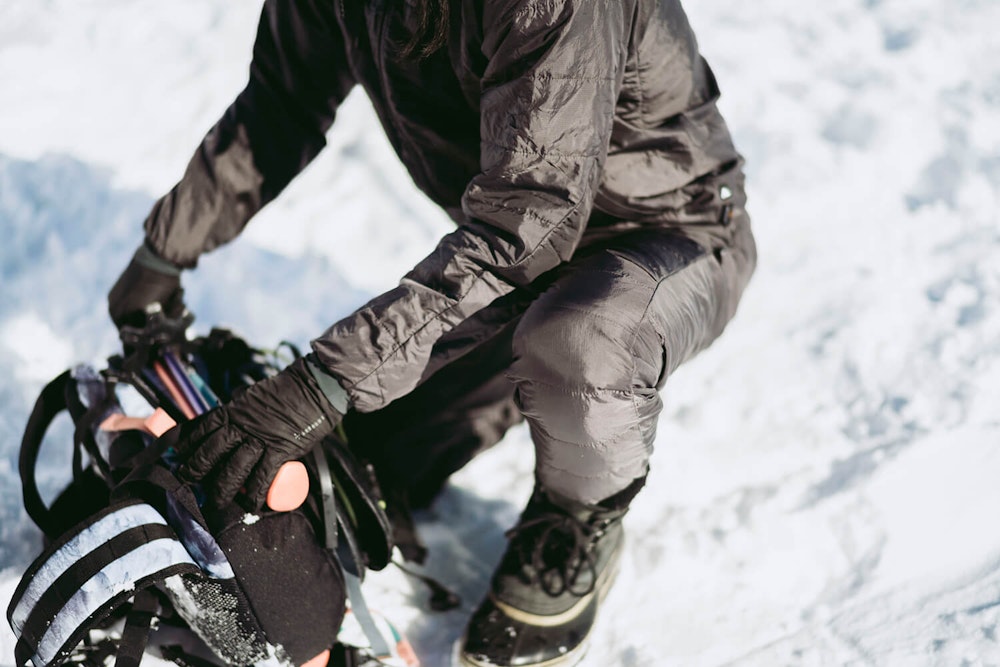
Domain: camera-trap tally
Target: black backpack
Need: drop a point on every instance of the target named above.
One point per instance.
(130, 547)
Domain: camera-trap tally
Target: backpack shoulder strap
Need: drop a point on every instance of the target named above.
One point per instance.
(62, 394)
(89, 572)
(50, 403)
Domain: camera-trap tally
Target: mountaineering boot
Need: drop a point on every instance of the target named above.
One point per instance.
(560, 562)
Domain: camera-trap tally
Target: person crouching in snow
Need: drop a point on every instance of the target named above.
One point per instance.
(601, 241)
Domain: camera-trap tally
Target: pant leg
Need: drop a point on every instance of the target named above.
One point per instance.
(591, 352)
(603, 332)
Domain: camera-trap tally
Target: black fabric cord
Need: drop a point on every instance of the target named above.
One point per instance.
(135, 636)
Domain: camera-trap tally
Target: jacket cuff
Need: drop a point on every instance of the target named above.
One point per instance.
(328, 385)
(147, 257)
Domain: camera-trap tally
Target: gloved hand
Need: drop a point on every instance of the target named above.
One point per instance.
(242, 444)
(146, 280)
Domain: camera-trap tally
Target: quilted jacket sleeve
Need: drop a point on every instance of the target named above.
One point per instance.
(547, 105)
(298, 76)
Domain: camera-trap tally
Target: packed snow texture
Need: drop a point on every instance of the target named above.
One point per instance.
(826, 485)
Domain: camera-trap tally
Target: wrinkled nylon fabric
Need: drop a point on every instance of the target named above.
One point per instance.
(585, 359)
(544, 124)
(591, 352)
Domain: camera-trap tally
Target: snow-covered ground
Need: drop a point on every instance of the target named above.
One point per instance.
(826, 489)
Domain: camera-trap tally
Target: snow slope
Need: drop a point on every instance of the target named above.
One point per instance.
(825, 486)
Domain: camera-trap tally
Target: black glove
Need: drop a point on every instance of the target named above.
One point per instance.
(146, 280)
(242, 444)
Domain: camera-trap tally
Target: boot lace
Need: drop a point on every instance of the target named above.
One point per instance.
(557, 550)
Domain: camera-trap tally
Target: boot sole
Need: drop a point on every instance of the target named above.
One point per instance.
(570, 658)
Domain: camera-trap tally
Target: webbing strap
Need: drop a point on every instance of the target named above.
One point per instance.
(50, 403)
(110, 588)
(89, 572)
(135, 636)
(327, 497)
(55, 598)
(332, 511)
(360, 610)
(61, 554)
(58, 395)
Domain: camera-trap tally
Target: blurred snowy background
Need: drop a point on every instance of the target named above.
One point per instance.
(826, 489)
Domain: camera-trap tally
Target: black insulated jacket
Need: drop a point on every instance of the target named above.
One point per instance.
(541, 124)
